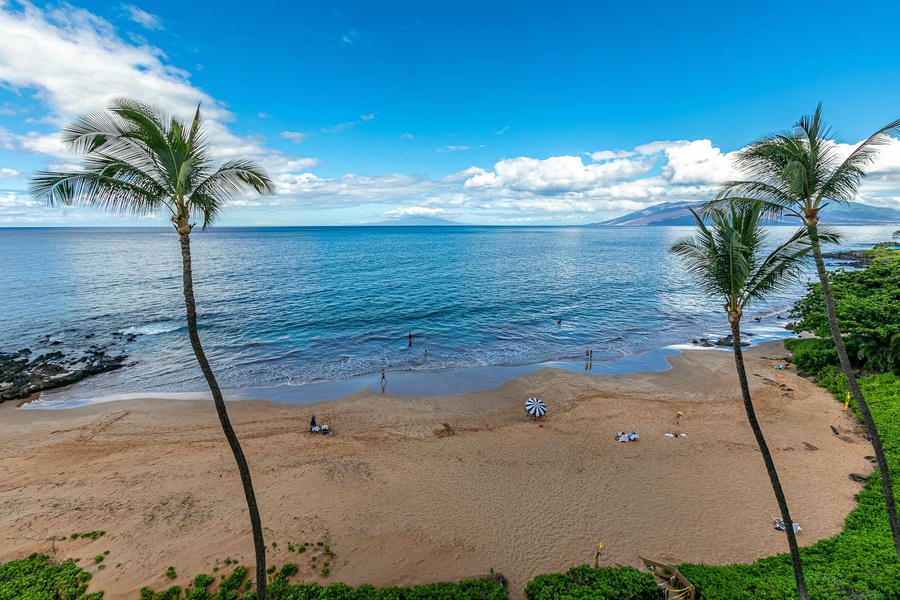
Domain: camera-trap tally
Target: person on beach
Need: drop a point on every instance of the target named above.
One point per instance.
(383, 379)
(679, 417)
(410, 339)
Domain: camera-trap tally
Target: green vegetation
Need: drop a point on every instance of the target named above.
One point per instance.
(867, 304)
(90, 534)
(237, 587)
(36, 578)
(604, 583)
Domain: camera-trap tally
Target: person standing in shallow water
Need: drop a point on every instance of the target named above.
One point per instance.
(410, 339)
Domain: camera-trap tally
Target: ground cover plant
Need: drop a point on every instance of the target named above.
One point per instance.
(38, 578)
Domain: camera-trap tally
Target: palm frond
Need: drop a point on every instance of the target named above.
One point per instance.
(94, 190)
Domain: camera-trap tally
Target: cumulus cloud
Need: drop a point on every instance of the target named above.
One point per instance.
(73, 62)
(6, 173)
(698, 163)
(143, 17)
(557, 174)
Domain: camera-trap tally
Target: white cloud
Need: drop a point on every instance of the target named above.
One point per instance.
(142, 17)
(340, 127)
(367, 117)
(452, 148)
(407, 136)
(558, 174)
(73, 62)
(502, 130)
(295, 136)
(699, 163)
(415, 211)
(6, 173)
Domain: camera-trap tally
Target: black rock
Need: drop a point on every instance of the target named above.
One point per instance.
(20, 378)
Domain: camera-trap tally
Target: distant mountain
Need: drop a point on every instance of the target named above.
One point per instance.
(676, 213)
(416, 221)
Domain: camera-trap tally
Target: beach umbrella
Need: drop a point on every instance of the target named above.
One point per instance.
(535, 407)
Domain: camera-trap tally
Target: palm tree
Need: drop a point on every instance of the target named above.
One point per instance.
(796, 174)
(727, 263)
(139, 161)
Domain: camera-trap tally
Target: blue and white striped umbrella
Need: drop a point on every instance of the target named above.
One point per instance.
(535, 407)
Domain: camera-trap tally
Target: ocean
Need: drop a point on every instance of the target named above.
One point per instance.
(303, 314)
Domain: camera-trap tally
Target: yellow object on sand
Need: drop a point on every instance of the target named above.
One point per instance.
(847, 401)
(599, 552)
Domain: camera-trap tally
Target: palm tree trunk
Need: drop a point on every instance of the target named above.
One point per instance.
(258, 543)
(802, 592)
(886, 485)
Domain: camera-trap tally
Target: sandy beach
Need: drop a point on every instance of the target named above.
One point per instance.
(417, 490)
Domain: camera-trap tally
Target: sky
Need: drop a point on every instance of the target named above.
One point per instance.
(481, 112)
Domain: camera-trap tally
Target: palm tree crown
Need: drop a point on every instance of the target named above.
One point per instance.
(726, 260)
(139, 161)
(798, 173)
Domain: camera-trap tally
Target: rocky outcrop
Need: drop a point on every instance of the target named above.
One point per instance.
(856, 259)
(21, 377)
(728, 340)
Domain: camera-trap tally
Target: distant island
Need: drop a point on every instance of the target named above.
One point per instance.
(676, 213)
(415, 221)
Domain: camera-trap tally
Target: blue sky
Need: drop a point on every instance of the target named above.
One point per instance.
(479, 112)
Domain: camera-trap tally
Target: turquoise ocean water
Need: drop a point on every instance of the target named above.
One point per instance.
(300, 314)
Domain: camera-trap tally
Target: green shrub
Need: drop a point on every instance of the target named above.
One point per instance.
(813, 354)
(36, 578)
(603, 583)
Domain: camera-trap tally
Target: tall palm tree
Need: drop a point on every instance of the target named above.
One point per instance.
(796, 174)
(139, 161)
(727, 262)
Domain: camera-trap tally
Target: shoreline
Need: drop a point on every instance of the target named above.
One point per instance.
(420, 383)
(413, 490)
